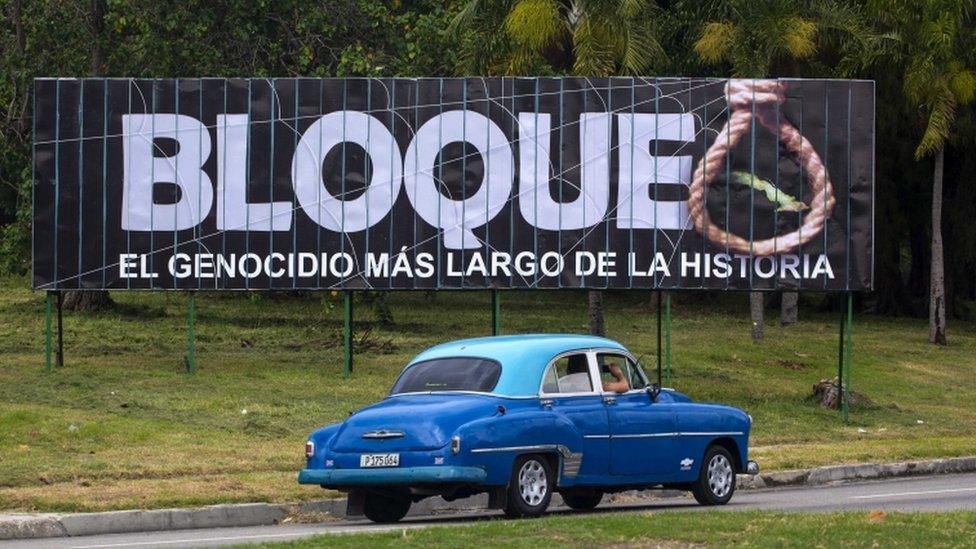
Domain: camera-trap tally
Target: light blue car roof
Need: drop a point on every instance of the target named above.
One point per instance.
(523, 357)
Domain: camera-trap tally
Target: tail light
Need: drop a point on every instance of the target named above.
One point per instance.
(309, 448)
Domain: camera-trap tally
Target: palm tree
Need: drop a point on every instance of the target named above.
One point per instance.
(757, 39)
(581, 37)
(931, 42)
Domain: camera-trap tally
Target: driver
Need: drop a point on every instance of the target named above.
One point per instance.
(619, 384)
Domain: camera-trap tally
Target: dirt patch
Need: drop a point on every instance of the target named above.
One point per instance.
(787, 363)
(309, 517)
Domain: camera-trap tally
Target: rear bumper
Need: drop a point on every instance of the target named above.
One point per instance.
(405, 475)
(752, 468)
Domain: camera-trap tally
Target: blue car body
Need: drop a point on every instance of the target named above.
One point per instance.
(457, 443)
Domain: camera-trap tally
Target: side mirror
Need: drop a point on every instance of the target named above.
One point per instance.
(653, 390)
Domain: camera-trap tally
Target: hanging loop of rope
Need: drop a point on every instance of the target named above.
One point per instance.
(760, 98)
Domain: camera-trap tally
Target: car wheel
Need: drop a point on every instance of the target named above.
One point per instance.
(582, 501)
(385, 509)
(530, 488)
(716, 480)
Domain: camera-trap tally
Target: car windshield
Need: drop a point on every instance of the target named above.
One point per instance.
(449, 374)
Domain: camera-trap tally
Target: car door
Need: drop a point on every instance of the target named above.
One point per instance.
(642, 432)
(568, 390)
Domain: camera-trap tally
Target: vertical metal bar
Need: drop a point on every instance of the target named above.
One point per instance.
(191, 335)
(659, 358)
(496, 313)
(60, 355)
(849, 358)
(840, 358)
(81, 175)
(47, 332)
(667, 339)
(347, 333)
(273, 99)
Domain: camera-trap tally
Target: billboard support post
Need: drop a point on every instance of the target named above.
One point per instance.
(844, 355)
(496, 313)
(667, 339)
(659, 358)
(191, 332)
(849, 354)
(59, 362)
(47, 332)
(347, 333)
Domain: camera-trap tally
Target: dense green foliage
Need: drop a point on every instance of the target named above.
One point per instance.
(920, 54)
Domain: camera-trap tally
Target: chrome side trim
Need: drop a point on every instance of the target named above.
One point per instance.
(647, 435)
(563, 450)
(677, 434)
(480, 393)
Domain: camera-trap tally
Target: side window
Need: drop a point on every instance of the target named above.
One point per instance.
(620, 373)
(568, 374)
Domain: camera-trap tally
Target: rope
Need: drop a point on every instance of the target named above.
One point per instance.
(761, 98)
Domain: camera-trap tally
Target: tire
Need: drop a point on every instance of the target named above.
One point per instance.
(385, 509)
(582, 501)
(716, 479)
(530, 487)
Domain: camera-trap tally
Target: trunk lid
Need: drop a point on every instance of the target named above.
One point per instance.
(411, 422)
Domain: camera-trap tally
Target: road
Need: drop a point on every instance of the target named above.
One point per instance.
(932, 493)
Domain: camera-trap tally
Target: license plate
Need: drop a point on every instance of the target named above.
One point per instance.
(379, 460)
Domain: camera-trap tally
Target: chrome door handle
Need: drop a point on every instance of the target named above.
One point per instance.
(546, 403)
(609, 400)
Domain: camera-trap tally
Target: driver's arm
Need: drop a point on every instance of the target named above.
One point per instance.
(619, 385)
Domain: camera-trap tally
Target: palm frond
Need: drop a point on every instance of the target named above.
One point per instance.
(798, 37)
(534, 24)
(464, 18)
(716, 42)
(962, 84)
(641, 50)
(919, 79)
(941, 114)
(592, 51)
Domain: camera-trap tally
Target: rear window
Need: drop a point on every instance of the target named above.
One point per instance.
(449, 374)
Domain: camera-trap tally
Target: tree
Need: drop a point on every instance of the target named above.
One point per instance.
(761, 39)
(931, 42)
(581, 37)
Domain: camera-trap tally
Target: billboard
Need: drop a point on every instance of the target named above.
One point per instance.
(451, 183)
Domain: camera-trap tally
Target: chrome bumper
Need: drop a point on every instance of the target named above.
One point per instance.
(752, 468)
(392, 475)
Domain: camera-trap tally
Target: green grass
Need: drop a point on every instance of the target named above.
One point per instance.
(123, 425)
(684, 529)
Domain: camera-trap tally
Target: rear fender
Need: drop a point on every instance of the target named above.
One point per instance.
(495, 442)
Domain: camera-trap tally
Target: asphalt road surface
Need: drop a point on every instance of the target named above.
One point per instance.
(932, 493)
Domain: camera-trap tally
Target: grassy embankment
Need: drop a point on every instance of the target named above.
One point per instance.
(684, 529)
(122, 425)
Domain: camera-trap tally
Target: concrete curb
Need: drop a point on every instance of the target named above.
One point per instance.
(48, 525)
(862, 471)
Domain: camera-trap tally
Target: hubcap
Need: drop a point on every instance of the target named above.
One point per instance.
(533, 483)
(719, 475)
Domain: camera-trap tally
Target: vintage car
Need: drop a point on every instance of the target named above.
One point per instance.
(522, 417)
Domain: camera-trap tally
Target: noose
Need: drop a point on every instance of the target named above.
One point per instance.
(766, 96)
